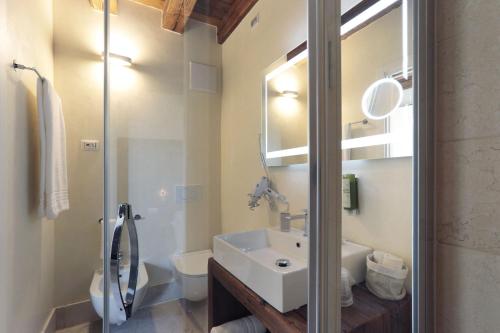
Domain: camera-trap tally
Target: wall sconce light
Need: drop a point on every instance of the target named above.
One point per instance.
(290, 94)
(118, 59)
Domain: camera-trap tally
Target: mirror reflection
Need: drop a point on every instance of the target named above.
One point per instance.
(285, 111)
(382, 98)
(377, 111)
(377, 93)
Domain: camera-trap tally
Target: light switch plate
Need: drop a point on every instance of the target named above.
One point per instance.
(90, 145)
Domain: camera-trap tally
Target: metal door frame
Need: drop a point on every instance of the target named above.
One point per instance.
(325, 167)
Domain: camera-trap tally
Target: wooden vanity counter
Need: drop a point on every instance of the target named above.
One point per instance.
(230, 299)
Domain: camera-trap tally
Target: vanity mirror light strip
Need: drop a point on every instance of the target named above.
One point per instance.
(288, 152)
(368, 141)
(366, 15)
(287, 65)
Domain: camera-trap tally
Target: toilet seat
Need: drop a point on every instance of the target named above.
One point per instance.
(193, 264)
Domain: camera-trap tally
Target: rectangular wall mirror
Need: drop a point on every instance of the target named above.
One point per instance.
(377, 93)
(285, 110)
(377, 108)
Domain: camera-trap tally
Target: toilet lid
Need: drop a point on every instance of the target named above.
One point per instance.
(193, 263)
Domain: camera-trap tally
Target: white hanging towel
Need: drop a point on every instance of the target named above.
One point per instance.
(53, 169)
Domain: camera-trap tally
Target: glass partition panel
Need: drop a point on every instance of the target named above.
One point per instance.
(183, 154)
(377, 160)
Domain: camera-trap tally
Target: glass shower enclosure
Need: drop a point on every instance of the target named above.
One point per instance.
(162, 157)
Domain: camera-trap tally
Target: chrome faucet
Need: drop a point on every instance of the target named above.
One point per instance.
(286, 218)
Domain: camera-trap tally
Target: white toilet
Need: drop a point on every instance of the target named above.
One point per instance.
(97, 293)
(191, 271)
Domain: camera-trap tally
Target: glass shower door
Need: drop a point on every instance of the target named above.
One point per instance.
(162, 162)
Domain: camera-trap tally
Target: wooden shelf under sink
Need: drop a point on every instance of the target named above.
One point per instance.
(230, 299)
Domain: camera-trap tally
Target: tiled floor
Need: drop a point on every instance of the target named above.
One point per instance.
(172, 317)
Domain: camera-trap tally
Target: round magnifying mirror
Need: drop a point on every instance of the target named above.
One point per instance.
(382, 98)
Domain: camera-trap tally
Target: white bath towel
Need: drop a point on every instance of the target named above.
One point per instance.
(53, 165)
(248, 324)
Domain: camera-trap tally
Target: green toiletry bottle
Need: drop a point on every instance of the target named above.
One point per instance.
(350, 192)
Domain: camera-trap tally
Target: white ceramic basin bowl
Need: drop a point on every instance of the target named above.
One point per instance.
(251, 257)
(354, 259)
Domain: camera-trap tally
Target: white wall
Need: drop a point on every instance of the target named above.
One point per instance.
(26, 242)
(245, 56)
(163, 135)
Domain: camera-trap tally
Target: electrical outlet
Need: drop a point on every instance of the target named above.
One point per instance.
(90, 145)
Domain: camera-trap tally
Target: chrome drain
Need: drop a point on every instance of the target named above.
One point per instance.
(283, 263)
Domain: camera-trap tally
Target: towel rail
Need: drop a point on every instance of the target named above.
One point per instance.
(364, 122)
(15, 65)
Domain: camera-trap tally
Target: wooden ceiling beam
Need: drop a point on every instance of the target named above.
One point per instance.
(99, 5)
(187, 10)
(171, 11)
(234, 16)
(156, 4)
(226, 15)
(176, 13)
(206, 19)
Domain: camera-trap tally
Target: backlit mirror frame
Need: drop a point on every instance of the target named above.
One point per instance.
(294, 155)
(362, 14)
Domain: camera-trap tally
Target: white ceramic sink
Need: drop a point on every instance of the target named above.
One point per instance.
(251, 257)
(354, 259)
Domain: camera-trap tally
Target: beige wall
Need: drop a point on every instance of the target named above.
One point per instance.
(163, 136)
(468, 118)
(26, 242)
(78, 79)
(245, 56)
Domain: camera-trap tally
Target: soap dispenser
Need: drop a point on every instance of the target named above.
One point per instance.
(350, 200)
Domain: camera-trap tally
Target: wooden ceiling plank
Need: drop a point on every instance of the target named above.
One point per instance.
(171, 12)
(187, 10)
(235, 15)
(156, 4)
(206, 19)
(99, 5)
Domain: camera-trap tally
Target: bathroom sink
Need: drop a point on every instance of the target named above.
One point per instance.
(254, 258)
(354, 259)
